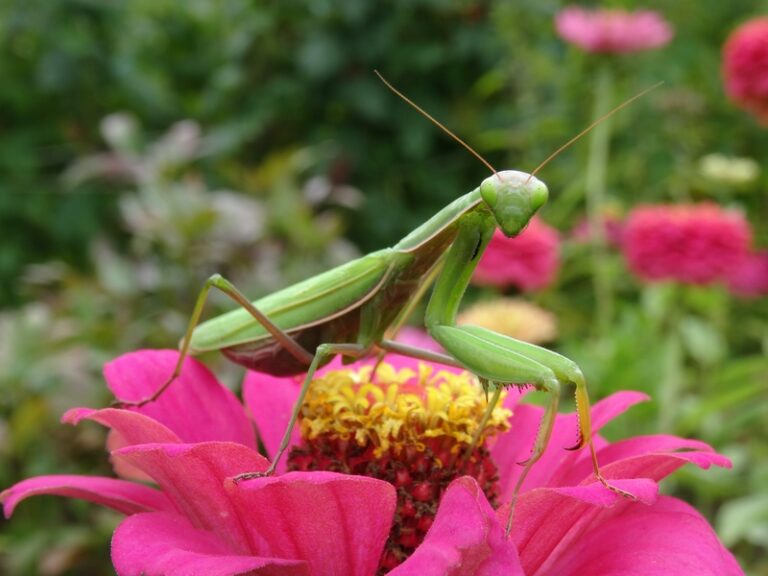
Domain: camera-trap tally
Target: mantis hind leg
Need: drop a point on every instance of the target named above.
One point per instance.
(223, 285)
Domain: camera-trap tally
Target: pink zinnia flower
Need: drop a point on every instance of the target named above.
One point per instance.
(696, 244)
(528, 261)
(745, 67)
(750, 278)
(197, 521)
(612, 31)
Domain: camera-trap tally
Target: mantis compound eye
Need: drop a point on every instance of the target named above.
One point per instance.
(539, 193)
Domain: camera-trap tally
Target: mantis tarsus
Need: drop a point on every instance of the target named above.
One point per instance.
(351, 310)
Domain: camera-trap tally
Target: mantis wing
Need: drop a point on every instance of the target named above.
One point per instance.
(314, 300)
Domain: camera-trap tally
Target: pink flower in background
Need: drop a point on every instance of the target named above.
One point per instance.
(745, 67)
(613, 228)
(197, 521)
(612, 31)
(528, 261)
(695, 244)
(750, 278)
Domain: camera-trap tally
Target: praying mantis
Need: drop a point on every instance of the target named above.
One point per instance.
(352, 310)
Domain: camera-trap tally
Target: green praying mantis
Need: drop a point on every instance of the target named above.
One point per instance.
(354, 309)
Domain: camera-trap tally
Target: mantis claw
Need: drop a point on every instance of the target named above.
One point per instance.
(579, 443)
(251, 475)
(614, 489)
(148, 399)
(602, 479)
(131, 404)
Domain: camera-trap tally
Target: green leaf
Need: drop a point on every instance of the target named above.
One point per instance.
(744, 519)
(702, 341)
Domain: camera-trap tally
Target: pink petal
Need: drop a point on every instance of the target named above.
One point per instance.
(614, 405)
(133, 427)
(644, 490)
(126, 428)
(465, 538)
(667, 539)
(125, 497)
(548, 518)
(694, 451)
(270, 401)
(196, 406)
(121, 468)
(337, 523)
(643, 456)
(193, 475)
(516, 445)
(418, 338)
(513, 397)
(163, 544)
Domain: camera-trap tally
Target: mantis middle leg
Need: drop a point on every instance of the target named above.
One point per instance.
(324, 353)
(400, 321)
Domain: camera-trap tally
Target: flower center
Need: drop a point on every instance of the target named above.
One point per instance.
(414, 430)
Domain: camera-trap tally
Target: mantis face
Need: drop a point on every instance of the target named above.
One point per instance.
(513, 197)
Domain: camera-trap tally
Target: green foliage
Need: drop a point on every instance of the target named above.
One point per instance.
(149, 143)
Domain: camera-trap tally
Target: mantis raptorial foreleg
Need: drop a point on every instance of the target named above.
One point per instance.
(540, 444)
(222, 284)
(500, 359)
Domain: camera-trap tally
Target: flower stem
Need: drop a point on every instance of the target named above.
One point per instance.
(599, 144)
(673, 381)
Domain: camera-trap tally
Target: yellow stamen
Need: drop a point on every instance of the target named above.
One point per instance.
(402, 409)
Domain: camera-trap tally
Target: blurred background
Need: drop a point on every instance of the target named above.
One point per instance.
(147, 144)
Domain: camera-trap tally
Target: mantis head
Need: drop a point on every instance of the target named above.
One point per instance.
(513, 197)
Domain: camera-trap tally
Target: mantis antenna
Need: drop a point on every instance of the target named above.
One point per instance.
(592, 125)
(548, 158)
(438, 124)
